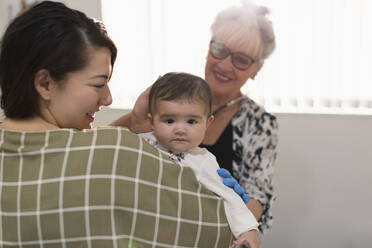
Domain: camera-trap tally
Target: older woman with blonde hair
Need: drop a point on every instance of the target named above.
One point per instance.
(243, 135)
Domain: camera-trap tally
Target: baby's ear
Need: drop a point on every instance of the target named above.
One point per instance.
(210, 120)
(149, 116)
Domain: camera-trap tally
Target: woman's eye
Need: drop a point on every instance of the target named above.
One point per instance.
(242, 60)
(99, 85)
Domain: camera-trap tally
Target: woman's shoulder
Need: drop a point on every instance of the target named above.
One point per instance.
(250, 107)
(255, 115)
(112, 136)
(112, 130)
(66, 136)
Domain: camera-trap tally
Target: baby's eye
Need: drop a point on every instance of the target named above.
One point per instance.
(169, 121)
(192, 121)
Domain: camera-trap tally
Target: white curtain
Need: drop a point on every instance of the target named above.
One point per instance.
(322, 62)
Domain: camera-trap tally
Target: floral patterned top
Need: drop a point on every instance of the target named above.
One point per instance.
(255, 139)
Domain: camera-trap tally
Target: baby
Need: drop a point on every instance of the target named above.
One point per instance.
(180, 107)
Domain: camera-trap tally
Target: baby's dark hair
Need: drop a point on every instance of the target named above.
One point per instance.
(181, 86)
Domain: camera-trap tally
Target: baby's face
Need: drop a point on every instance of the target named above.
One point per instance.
(179, 125)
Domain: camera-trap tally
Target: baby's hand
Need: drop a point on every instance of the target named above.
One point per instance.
(249, 239)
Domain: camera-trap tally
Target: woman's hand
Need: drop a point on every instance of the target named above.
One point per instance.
(231, 182)
(137, 120)
(249, 238)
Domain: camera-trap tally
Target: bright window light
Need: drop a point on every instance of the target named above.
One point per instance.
(321, 64)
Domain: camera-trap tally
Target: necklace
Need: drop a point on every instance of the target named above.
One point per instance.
(228, 104)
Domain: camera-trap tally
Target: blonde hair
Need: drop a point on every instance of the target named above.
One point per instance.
(244, 19)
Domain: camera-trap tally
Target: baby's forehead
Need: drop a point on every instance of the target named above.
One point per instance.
(186, 104)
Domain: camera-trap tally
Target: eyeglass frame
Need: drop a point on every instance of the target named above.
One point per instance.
(231, 54)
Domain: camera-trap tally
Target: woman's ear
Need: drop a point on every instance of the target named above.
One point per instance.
(43, 83)
(256, 67)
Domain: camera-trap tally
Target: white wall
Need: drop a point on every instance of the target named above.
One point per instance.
(3, 20)
(108, 115)
(91, 7)
(323, 181)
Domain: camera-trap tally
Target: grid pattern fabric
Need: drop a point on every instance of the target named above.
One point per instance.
(101, 188)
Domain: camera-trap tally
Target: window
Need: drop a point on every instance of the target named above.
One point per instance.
(321, 64)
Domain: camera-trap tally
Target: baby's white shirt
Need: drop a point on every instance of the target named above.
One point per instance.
(205, 166)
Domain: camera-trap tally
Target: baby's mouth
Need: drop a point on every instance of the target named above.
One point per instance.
(91, 115)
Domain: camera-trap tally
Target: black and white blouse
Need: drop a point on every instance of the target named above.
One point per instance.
(253, 133)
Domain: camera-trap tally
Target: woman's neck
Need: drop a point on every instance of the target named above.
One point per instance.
(219, 100)
(31, 124)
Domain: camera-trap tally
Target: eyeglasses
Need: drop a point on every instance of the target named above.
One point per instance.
(218, 50)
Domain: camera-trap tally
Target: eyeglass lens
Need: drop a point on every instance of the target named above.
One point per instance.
(219, 51)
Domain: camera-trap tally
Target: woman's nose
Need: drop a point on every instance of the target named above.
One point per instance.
(225, 64)
(106, 99)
